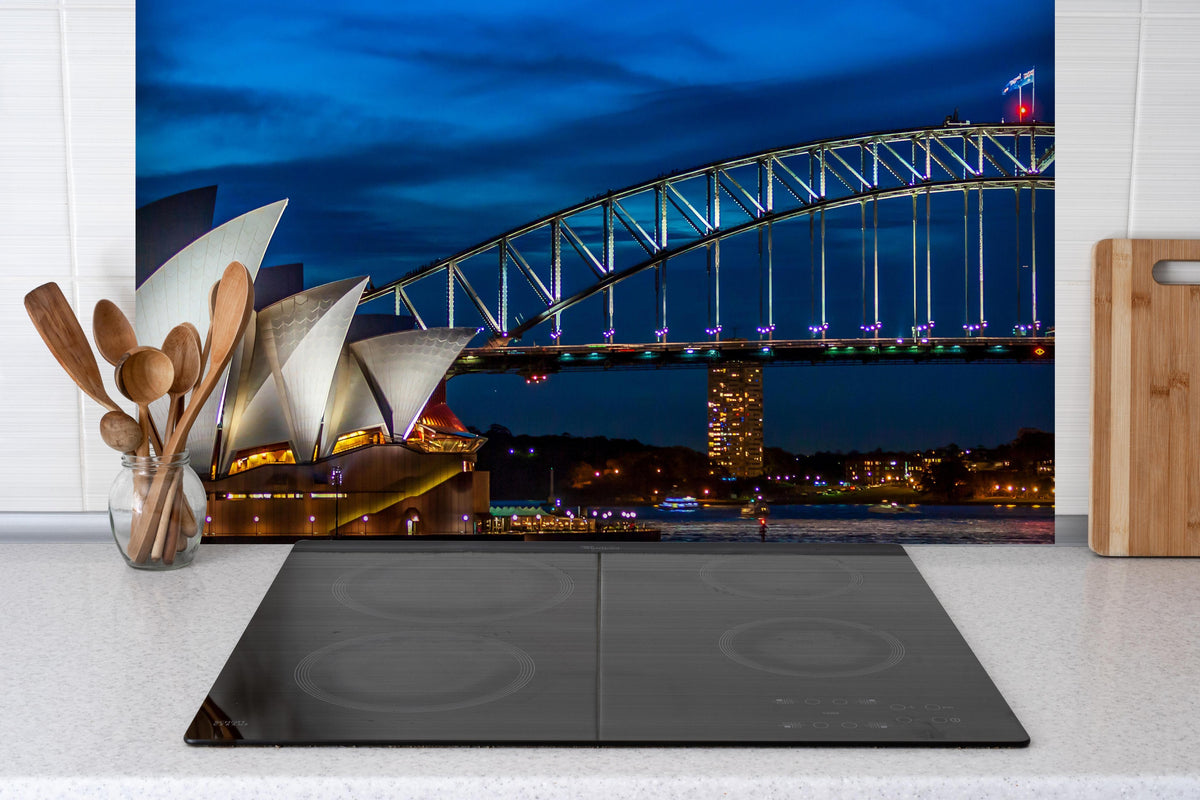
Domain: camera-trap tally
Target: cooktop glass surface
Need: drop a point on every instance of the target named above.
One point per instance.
(403, 642)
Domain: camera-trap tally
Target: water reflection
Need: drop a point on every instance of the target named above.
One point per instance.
(856, 523)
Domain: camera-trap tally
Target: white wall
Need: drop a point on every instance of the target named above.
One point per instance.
(1128, 87)
(66, 215)
(1128, 100)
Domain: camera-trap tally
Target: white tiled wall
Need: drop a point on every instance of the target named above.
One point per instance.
(1127, 103)
(66, 215)
(1128, 96)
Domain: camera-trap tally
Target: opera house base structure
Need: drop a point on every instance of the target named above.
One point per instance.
(386, 490)
(328, 423)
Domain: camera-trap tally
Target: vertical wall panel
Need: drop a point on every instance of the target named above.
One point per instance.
(1096, 57)
(101, 72)
(1167, 157)
(100, 44)
(39, 426)
(40, 423)
(34, 229)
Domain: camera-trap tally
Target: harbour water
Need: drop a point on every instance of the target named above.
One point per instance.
(856, 523)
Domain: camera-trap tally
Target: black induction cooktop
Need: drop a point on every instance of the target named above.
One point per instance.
(400, 642)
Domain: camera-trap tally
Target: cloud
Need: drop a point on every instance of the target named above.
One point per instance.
(426, 192)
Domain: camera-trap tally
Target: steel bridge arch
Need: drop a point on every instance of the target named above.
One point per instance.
(612, 279)
(985, 156)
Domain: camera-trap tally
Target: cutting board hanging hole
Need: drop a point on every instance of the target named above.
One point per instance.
(1176, 272)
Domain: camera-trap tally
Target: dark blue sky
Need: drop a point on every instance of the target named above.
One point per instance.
(401, 134)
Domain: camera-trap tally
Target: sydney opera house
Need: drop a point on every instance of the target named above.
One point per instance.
(328, 422)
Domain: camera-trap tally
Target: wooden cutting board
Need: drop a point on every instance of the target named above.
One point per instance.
(1145, 498)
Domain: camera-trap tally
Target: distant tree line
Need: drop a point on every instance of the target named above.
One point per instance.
(597, 469)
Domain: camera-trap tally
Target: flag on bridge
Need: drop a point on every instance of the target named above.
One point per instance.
(1022, 79)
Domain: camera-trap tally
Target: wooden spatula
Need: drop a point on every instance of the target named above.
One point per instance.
(59, 328)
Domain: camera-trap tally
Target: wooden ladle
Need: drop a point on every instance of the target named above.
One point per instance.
(112, 331)
(182, 348)
(144, 375)
(59, 328)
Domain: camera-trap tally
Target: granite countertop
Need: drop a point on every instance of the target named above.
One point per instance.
(102, 668)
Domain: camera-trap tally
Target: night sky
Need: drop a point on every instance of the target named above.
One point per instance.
(401, 134)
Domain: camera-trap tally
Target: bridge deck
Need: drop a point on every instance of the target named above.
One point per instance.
(560, 358)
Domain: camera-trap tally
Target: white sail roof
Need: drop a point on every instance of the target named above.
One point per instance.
(178, 292)
(285, 388)
(351, 405)
(405, 367)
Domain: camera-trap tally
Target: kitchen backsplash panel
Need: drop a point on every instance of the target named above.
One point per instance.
(1127, 76)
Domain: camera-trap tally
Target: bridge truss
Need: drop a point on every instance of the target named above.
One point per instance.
(584, 252)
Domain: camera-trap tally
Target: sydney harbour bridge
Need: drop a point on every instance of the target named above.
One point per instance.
(874, 248)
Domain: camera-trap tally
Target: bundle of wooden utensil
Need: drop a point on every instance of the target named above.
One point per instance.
(143, 375)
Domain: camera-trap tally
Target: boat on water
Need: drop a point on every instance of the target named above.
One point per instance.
(688, 503)
(891, 508)
(756, 510)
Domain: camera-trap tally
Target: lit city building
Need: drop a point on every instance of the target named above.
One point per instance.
(735, 420)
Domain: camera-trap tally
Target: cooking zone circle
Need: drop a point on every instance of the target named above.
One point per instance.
(781, 578)
(812, 647)
(414, 671)
(454, 587)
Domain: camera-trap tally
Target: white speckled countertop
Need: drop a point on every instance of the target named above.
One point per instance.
(102, 668)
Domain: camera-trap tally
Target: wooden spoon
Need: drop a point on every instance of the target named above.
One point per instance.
(231, 314)
(146, 374)
(144, 418)
(180, 346)
(212, 310)
(111, 329)
(121, 432)
(59, 328)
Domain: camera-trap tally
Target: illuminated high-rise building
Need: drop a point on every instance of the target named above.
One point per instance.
(735, 420)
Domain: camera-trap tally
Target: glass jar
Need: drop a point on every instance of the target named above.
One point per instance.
(156, 508)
